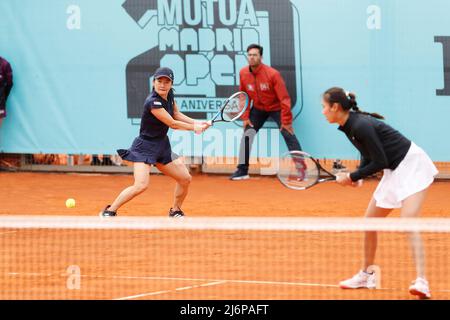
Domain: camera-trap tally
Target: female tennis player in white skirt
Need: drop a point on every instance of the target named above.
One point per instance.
(408, 172)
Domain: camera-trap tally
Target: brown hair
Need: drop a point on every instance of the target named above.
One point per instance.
(255, 46)
(347, 101)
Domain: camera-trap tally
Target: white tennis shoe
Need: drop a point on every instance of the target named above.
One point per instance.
(420, 288)
(360, 280)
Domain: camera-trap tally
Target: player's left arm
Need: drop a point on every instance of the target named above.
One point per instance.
(366, 135)
(178, 115)
(283, 96)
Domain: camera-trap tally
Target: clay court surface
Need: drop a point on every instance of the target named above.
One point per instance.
(188, 264)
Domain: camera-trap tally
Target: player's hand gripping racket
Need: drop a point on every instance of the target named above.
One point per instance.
(299, 171)
(232, 108)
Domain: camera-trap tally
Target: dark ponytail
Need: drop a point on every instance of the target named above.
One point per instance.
(347, 101)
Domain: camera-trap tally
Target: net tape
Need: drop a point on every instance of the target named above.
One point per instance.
(229, 223)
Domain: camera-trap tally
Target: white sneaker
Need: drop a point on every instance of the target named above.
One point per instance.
(360, 280)
(420, 288)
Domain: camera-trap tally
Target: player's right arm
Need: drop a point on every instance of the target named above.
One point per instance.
(162, 115)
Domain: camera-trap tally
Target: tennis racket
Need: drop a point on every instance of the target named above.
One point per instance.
(298, 170)
(232, 108)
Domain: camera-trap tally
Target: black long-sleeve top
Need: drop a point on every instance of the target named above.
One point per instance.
(381, 146)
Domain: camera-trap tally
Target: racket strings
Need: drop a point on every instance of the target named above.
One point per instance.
(235, 107)
(297, 171)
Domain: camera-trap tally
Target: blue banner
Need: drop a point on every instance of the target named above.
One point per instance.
(82, 69)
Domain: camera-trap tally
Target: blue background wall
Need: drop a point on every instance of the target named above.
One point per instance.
(70, 90)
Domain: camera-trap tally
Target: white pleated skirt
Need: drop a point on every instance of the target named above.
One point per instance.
(415, 173)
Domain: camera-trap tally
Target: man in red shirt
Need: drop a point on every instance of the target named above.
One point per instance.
(267, 89)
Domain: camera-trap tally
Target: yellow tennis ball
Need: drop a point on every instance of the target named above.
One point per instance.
(70, 203)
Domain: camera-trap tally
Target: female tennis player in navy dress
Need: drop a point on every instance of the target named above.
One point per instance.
(152, 146)
(408, 172)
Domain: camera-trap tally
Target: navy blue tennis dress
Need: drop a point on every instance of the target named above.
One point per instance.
(153, 145)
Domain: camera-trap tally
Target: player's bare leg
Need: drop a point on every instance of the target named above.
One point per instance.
(141, 181)
(366, 278)
(178, 171)
(371, 237)
(411, 208)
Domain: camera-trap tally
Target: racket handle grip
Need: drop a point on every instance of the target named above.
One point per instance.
(198, 127)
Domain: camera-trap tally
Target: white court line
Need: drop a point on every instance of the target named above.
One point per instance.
(185, 288)
(32, 274)
(218, 280)
(200, 285)
(7, 232)
(210, 281)
(305, 284)
(214, 281)
(143, 295)
(302, 224)
(168, 291)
